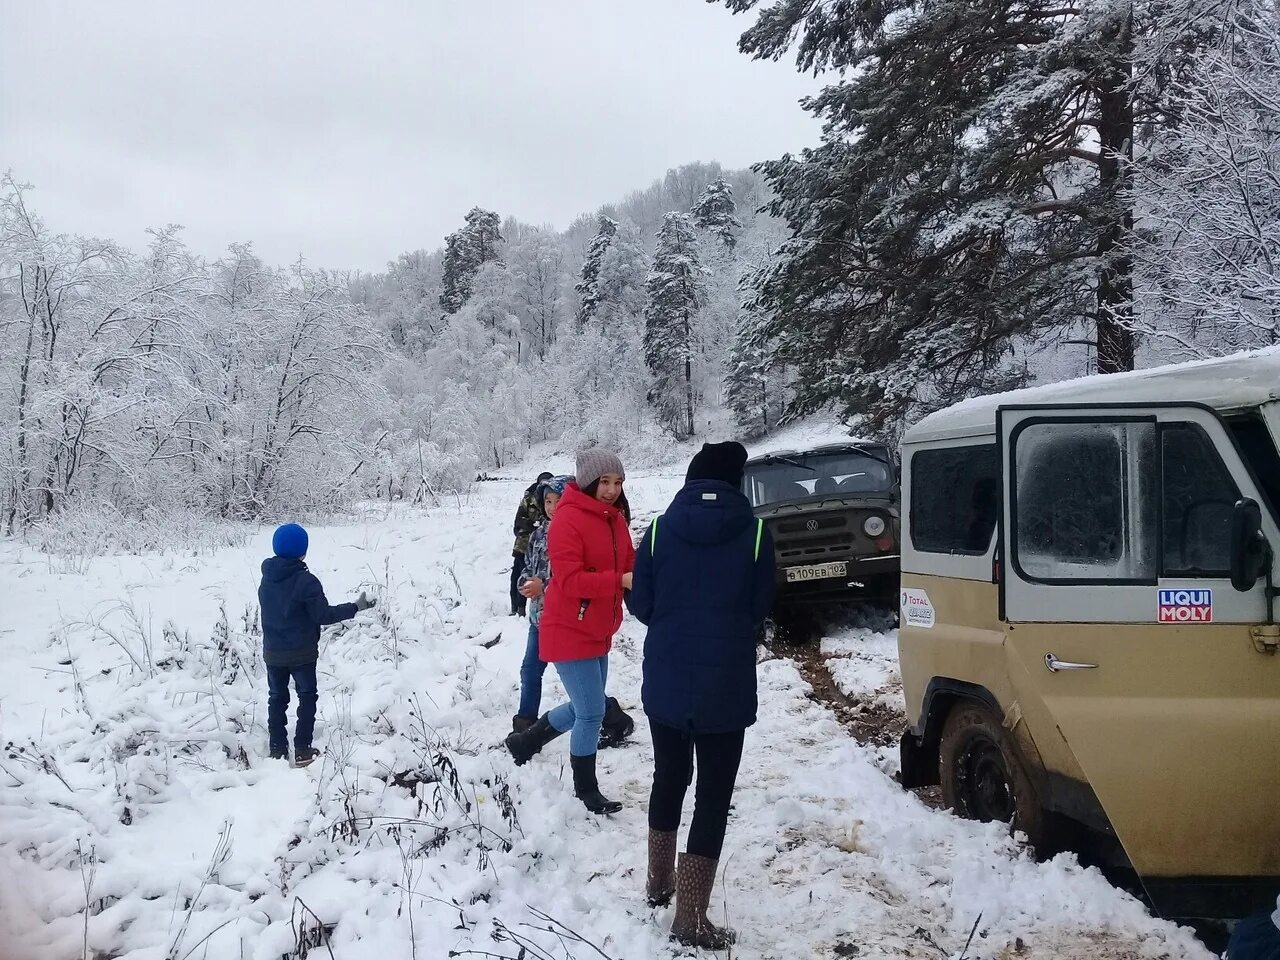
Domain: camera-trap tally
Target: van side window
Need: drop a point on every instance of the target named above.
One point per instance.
(1085, 501)
(1197, 502)
(955, 499)
(1254, 442)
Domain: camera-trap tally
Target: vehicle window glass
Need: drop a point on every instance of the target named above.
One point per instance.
(1199, 496)
(955, 499)
(1259, 450)
(1085, 501)
(800, 476)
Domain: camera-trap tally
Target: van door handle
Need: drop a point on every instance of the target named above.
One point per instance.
(1054, 664)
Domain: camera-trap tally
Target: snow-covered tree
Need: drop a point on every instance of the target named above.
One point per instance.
(1208, 250)
(466, 251)
(587, 286)
(752, 390)
(162, 383)
(405, 299)
(676, 289)
(620, 286)
(970, 189)
(540, 280)
(715, 212)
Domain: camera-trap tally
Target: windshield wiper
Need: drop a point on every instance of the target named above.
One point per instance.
(871, 455)
(790, 462)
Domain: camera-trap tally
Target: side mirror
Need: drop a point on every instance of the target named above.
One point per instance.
(1249, 551)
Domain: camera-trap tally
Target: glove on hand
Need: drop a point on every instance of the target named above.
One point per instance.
(364, 603)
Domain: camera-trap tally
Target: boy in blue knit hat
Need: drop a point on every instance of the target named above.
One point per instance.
(294, 608)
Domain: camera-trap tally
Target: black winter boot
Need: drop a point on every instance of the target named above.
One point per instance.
(586, 789)
(520, 723)
(528, 744)
(304, 756)
(617, 724)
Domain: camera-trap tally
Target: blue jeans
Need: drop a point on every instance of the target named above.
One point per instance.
(304, 681)
(1255, 938)
(584, 681)
(531, 671)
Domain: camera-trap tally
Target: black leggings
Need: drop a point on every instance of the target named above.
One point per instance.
(518, 601)
(718, 757)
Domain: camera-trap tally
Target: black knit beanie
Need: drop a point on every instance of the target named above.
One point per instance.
(719, 461)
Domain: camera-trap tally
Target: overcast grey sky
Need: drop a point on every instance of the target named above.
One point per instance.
(352, 132)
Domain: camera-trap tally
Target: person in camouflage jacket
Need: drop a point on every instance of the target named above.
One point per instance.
(528, 516)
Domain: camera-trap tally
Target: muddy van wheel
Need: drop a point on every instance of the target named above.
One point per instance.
(983, 777)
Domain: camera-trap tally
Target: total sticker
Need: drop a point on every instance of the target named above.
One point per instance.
(916, 609)
(1185, 606)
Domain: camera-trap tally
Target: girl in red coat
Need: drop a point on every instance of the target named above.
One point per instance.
(592, 558)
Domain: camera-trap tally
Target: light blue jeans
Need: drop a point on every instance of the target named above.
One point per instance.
(531, 671)
(584, 681)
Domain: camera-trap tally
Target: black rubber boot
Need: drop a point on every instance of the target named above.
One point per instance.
(617, 725)
(586, 789)
(305, 756)
(528, 744)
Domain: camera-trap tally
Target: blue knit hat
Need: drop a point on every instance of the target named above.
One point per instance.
(556, 485)
(289, 540)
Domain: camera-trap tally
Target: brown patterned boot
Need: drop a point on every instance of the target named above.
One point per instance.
(694, 882)
(661, 883)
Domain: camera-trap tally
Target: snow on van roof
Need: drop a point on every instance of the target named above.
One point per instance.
(841, 446)
(1223, 383)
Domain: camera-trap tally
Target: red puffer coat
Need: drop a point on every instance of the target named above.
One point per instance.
(590, 548)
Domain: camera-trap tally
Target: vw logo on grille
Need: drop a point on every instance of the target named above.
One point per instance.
(811, 525)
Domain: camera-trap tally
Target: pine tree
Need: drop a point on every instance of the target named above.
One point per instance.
(465, 252)
(588, 287)
(676, 292)
(620, 287)
(485, 235)
(970, 192)
(714, 212)
(457, 273)
(752, 392)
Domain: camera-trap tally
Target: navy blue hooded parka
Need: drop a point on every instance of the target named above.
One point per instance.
(294, 608)
(703, 592)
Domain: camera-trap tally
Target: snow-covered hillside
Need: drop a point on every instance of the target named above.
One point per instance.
(141, 818)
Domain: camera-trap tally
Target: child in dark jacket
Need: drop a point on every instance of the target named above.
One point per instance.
(294, 608)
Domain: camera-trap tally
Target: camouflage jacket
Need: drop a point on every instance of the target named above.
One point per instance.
(528, 515)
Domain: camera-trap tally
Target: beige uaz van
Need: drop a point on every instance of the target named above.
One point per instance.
(1088, 639)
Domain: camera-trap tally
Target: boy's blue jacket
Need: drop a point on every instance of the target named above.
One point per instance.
(294, 608)
(703, 592)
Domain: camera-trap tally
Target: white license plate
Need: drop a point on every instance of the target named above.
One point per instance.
(817, 571)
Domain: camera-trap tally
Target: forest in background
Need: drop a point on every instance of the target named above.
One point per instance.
(161, 384)
(1088, 188)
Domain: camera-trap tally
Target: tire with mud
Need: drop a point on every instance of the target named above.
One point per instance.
(984, 776)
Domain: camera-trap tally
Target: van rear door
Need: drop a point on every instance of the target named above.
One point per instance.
(1122, 620)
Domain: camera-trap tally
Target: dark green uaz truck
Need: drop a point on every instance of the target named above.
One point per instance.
(834, 514)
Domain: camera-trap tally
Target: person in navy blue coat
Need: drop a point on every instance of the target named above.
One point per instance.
(294, 608)
(704, 583)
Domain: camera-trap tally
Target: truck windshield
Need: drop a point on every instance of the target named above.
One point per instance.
(799, 476)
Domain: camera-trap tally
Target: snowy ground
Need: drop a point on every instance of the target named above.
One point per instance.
(140, 818)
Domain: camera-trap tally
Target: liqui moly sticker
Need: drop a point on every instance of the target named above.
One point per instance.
(916, 610)
(1186, 606)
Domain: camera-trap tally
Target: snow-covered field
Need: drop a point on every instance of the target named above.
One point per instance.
(141, 819)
